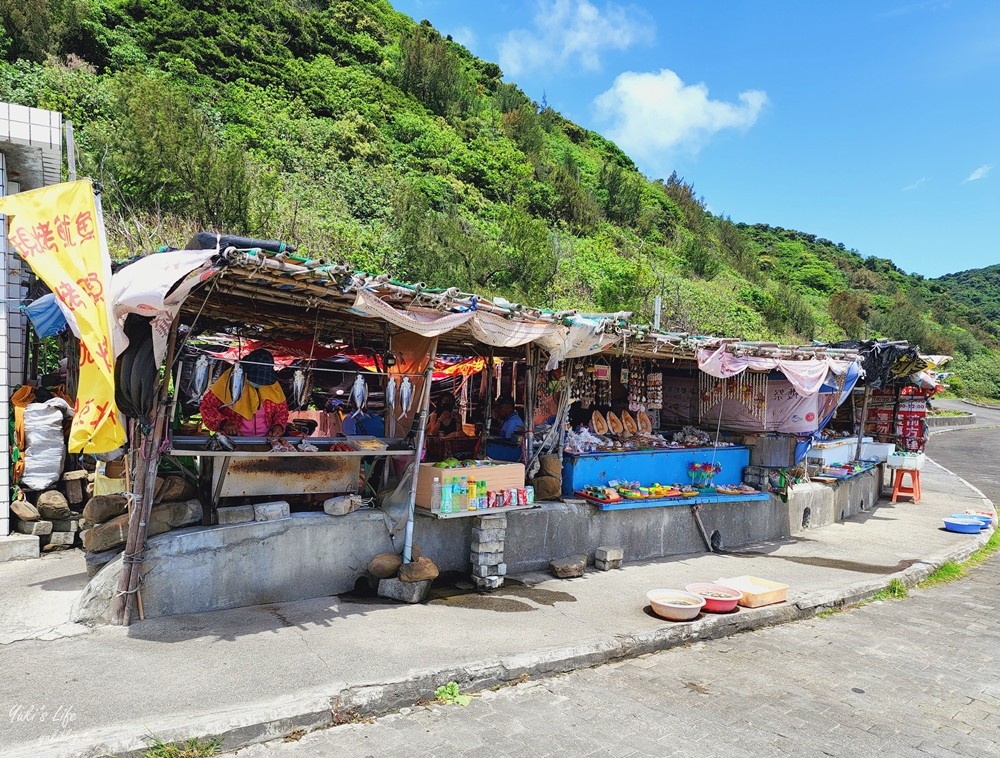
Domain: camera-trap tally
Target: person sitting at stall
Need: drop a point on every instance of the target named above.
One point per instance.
(506, 446)
(445, 422)
(258, 410)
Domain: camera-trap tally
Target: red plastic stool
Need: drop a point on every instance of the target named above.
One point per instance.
(913, 490)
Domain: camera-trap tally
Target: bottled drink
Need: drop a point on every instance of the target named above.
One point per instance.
(463, 496)
(436, 495)
(481, 490)
(473, 495)
(445, 497)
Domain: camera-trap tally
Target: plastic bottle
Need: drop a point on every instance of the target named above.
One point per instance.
(481, 489)
(436, 495)
(473, 498)
(445, 497)
(463, 494)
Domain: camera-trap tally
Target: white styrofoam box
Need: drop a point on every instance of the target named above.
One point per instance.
(834, 451)
(907, 461)
(877, 451)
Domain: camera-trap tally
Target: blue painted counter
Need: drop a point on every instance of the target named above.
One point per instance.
(666, 466)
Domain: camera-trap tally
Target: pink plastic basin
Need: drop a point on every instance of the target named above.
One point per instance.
(724, 604)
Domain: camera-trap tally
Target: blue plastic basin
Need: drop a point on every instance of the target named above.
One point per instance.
(979, 516)
(963, 525)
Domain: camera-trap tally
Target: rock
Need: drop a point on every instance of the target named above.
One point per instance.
(385, 565)
(39, 528)
(271, 511)
(53, 547)
(25, 510)
(569, 567)
(66, 525)
(547, 487)
(52, 505)
(107, 535)
(416, 552)
(177, 515)
(103, 508)
(420, 570)
(235, 514)
(549, 466)
(74, 484)
(341, 506)
(174, 489)
(405, 592)
(62, 538)
(96, 561)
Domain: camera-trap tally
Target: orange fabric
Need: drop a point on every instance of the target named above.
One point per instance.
(20, 400)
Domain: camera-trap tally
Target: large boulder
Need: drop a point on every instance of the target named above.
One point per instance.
(174, 489)
(103, 508)
(52, 505)
(569, 567)
(385, 565)
(176, 515)
(420, 570)
(113, 533)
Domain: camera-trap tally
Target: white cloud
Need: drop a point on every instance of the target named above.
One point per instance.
(464, 36)
(572, 31)
(978, 174)
(652, 113)
(916, 184)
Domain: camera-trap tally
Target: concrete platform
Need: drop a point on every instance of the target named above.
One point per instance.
(19, 547)
(261, 672)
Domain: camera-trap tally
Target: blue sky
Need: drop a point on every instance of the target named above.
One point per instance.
(871, 123)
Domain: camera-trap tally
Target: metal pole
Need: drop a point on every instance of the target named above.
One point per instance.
(657, 309)
(422, 427)
(861, 425)
(529, 402)
(70, 151)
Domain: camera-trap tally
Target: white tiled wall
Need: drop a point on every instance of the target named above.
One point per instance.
(30, 126)
(4, 368)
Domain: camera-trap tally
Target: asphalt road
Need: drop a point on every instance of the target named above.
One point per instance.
(910, 677)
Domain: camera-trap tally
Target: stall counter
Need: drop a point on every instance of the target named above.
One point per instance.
(666, 466)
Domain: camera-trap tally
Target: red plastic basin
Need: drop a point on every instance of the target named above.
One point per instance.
(716, 604)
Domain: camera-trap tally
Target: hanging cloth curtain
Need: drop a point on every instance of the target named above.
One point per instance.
(424, 321)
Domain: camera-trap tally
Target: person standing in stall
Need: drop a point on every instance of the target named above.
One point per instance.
(260, 408)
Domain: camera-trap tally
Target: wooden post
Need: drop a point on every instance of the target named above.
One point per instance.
(141, 492)
(861, 425)
(529, 403)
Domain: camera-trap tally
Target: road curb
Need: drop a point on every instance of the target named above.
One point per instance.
(343, 703)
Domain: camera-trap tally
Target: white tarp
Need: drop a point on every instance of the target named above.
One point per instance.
(491, 329)
(425, 321)
(156, 286)
(806, 376)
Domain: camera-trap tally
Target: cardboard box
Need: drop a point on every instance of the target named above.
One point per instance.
(498, 477)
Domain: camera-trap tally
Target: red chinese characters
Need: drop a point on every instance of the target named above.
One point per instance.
(91, 284)
(70, 295)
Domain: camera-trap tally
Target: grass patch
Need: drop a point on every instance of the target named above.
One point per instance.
(828, 612)
(449, 694)
(193, 748)
(949, 571)
(895, 590)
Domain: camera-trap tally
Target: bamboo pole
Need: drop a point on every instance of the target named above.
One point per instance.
(141, 492)
(861, 425)
(530, 374)
(425, 399)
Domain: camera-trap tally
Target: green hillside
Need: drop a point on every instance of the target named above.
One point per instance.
(344, 126)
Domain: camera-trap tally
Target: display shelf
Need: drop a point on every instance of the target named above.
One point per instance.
(667, 502)
(289, 454)
(479, 512)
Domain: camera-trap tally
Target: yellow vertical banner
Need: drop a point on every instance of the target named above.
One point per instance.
(59, 233)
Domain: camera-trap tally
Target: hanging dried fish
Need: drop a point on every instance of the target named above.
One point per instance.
(359, 393)
(390, 395)
(405, 396)
(237, 380)
(200, 381)
(301, 387)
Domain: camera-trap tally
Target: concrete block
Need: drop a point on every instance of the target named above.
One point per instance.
(488, 535)
(487, 547)
(488, 582)
(39, 528)
(481, 571)
(486, 559)
(236, 514)
(19, 547)
(66, 525)
(405, 592)
(607, 565)
(609, 554)
(271, 511)
(62, 538)
(502, 569)
(492, 521)
(74, 484)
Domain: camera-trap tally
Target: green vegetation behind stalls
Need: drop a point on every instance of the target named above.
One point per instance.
(365, 137)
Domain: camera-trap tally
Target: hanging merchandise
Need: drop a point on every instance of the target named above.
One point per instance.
(637, 397)
(748, 388)
(654, 392)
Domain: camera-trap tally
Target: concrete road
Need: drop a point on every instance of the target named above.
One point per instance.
(909, 677)
(984, 416)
